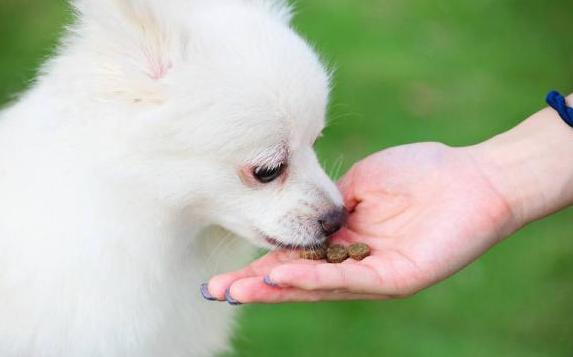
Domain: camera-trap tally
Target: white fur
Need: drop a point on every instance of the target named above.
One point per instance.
(125, 166)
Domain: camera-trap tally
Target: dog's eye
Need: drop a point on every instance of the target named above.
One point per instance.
(267, 174)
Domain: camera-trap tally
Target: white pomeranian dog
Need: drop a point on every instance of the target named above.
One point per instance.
(157, 126)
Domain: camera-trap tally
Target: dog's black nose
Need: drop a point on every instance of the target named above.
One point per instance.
(332, 221)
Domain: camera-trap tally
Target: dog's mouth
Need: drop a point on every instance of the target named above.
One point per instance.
(278, 244)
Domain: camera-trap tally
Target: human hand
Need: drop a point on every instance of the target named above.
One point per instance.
(426, 210)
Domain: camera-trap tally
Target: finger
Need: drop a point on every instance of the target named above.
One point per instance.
(218, 284)
(356, 277)
(254, 290)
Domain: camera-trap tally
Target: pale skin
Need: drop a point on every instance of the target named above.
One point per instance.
(426, 211)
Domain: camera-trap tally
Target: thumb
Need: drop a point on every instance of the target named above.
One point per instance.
(347, 188)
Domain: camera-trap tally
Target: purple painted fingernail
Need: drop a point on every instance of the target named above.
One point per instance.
(205, 292)
(229, 298)
(267, 280)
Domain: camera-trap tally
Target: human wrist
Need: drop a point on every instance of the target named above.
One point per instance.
(530, 166)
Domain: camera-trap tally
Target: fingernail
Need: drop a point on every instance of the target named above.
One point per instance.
(267, 280)
(205, 292)
(229, 298)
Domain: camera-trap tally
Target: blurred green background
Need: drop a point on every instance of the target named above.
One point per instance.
(406, 71)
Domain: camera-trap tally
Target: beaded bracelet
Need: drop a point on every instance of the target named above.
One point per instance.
(557, 102)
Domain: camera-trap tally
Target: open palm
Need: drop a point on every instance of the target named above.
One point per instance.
(425, 210)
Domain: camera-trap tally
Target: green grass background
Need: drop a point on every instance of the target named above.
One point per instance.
(406, 71)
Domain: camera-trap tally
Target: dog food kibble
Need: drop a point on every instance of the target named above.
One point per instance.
(314, 253)
(336, 254)
(358, 251)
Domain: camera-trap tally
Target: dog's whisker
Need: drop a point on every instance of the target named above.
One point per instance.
(214, 250)
(227, 249)
(214, 256)
(337, 167)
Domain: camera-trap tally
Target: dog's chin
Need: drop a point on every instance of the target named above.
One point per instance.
(278, 244)
(273, 242)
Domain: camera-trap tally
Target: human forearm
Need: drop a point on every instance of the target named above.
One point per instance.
(531, 165)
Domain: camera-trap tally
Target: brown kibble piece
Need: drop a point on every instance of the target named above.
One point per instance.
(358, 251)
(314, 253)
(336, 254)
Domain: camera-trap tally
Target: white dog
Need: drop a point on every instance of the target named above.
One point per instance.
(157, 123)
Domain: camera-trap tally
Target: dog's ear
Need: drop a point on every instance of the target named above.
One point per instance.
(137, 42)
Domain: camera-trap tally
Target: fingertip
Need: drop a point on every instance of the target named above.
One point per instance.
(204, 289)
(230, 299)
(217, 287)
(252, 290)
(268, 281)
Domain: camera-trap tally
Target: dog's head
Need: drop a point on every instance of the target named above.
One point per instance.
(230, 101)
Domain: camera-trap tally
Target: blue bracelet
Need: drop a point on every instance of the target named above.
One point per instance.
(557, 102)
